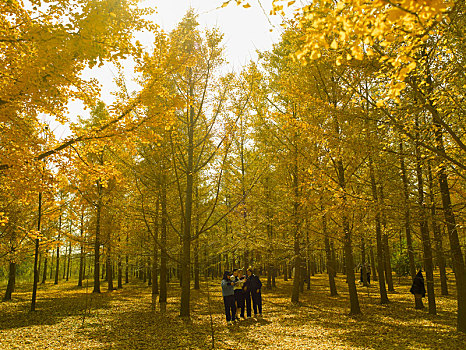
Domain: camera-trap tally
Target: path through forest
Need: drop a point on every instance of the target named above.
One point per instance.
(123, 319)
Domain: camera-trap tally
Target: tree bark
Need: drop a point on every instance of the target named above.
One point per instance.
(440, 258)
(81, 254)
(363, 263)
(297, 236)
(373, 266)
(349, 262)
(36, 257)
(378, 237)
(407, 215)
(10, 288)
(455, 246)
(330, 262)
(44, 274)
(68, 268)
(427, 250)
(163, 244)
(97, 240)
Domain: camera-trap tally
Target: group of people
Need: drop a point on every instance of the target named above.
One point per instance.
(238, 291)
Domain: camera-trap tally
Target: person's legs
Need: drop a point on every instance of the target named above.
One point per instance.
(226, 302)
(238, 293)
(254, 302)
(247, 296)
(233, 308)
(241, 303)
(259, 302)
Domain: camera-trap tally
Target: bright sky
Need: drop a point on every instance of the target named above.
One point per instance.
(245, 31)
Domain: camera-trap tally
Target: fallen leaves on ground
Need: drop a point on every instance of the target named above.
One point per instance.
(68, 317)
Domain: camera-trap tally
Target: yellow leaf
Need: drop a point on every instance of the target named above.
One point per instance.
(246, 5)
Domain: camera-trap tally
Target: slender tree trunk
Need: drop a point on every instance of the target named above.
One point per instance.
(36, 257)
(378, 236)
(149, 271)
(163, 244)
(385, 245)
(155, 286)
(328, 252)
(81, 254)
(109, 264)
(68, 268)
(57, 269)
(196, 245)
(10, 288)
(127, 261)
(363, 263)
(373, 266)
(428, 265)
(437, 235)
(459, 267)
(44, 274)
(407, 215)
(387, 262)
(97, 241)
(349, 262)
(52, 265)
(65, 259)
(297, 236)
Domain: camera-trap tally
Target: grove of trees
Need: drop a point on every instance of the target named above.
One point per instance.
(343, 146)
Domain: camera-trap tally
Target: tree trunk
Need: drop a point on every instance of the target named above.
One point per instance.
(36, 257)
(109, 265)
(196, 245)
(97, 241)
(387, 262)
(428, 265)
(373, 266)
(437, 235)
(297, 236)
(68, 268)
(127, 261)
(378, 236)
(349, 262)
(385, 245)
(10, 288)
(363, 263)
(328, 252)
(44, 274)
(81, 254)
(409, 239)
(163, 245)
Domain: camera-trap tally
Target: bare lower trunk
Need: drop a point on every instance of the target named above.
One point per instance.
(426, 247)
(10, 288)
(407, 216)
(378, 237)
(163, 244)
(330, 263)
(44, 273)
(440, 258)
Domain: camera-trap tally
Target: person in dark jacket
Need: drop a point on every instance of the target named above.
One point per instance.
(228, 297)
(247, 294)
(255, 285)
(418, 289)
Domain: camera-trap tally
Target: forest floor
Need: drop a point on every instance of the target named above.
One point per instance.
(124, 319)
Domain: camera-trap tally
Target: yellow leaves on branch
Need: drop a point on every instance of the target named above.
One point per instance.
(354, 25)
(3, 219)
